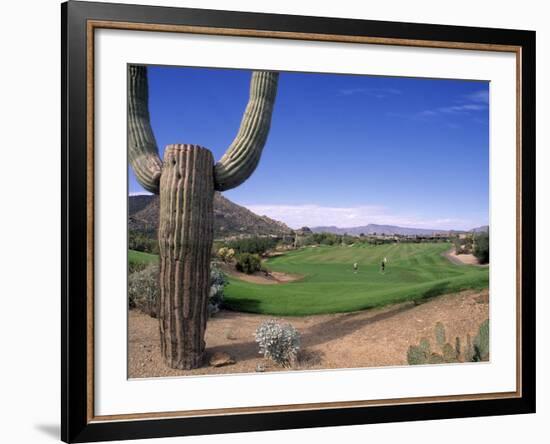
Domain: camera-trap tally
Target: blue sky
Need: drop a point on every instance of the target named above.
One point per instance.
(343, 150)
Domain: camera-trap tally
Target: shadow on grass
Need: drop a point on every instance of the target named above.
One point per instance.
(432, 292)
(243, 306)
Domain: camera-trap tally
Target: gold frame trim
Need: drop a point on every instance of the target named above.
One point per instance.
(92, 25)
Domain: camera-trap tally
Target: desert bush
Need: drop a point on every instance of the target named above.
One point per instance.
(143, 289)
(279, 342)
(140, 241)
(218, 281)
(253, 245)
(136, 266)
(248, 263)
(481, 248)
(324, 239)
(226, 254)
(463, 246)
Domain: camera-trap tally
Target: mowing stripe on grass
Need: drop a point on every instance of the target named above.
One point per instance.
(413, 272)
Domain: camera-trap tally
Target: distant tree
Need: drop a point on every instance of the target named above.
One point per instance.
(141, 242)
(248, 263)
(481, 248)
(325, 239)
(254, 245)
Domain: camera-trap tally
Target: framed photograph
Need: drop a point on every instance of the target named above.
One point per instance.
(276, 221)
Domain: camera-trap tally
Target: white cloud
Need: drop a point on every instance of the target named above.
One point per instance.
(468, 104)
(311, 215)
(140, 193)
(479, 96)
(454, 109)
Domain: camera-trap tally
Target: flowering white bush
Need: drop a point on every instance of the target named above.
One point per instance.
(277, 341)
(144, 289)
(218, 281)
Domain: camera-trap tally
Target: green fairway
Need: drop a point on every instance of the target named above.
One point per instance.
(413, 272)
(139, 257)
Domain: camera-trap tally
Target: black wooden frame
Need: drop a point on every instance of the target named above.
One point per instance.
(75, 424)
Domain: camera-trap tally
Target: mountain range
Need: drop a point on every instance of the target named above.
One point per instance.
(391, 230)
(230, 219)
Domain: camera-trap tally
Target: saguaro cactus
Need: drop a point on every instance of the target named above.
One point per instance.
(186, 181)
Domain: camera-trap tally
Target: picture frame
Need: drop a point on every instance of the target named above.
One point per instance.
(80, 22)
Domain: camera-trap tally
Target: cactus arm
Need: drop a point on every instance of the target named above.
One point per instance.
(142, 147)
(243, 155)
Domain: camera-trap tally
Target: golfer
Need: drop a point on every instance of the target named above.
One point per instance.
(355, 266)
(383, 266)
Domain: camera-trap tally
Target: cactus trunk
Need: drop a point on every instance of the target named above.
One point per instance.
(185, 242)
(186, 181)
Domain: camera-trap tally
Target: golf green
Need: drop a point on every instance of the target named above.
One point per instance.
(330, 284)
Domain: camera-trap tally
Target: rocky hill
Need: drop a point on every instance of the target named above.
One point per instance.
(230, 219)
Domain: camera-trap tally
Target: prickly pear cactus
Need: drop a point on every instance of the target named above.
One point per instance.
(473, 352)
(481, 343)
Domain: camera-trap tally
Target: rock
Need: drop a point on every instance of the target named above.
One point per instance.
(219, 359)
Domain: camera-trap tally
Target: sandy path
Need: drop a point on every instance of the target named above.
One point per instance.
(462, 259)
(370, 338)
(273, 278)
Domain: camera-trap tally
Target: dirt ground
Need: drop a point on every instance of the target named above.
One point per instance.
(259, 277)
(463, 259)
(371, 338)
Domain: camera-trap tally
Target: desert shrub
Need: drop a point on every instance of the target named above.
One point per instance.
(324, 239)
(141, 241)
(279, 342)
(253, 245)
(218, 281)
(481, 248)
(226, 254)
(143, 289)
(136, 266)
(248, 263)
(463, 246)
